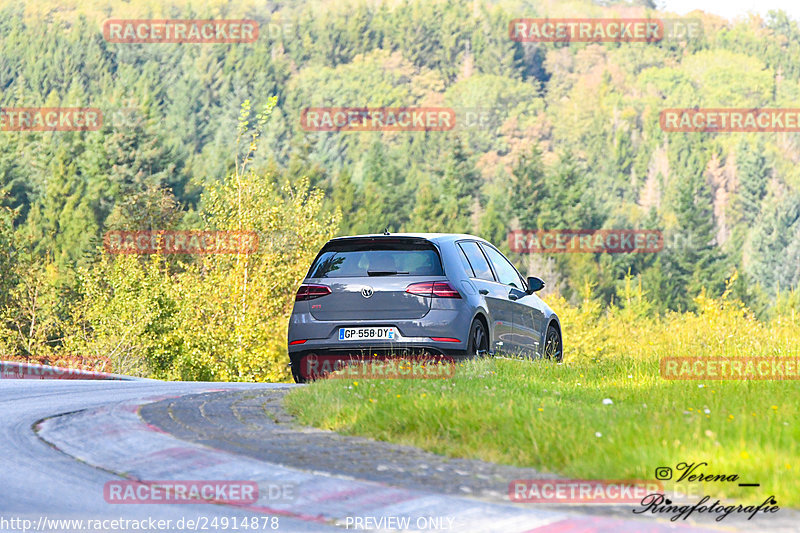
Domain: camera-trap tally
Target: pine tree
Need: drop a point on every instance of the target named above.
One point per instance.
(428, 212)
(495, 218)
(753, 171)
(346, 197)
(699, 264)
(572, 201)
(386, 202)
(529, 189)
(460, 186)
(775, 242)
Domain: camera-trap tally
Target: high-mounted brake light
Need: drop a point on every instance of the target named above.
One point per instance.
(310, 291)
(433, 289)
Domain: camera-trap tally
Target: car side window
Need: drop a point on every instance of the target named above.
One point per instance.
(506, 273)
(465, 261)
(480, 267)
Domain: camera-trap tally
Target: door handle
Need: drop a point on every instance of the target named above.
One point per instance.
(483, 291)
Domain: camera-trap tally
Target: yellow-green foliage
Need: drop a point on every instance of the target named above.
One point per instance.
(186, 317)
(223, 318)
(720, 327)
(243, 303)
(218, 316)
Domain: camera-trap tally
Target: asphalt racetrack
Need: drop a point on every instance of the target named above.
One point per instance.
(74, 453)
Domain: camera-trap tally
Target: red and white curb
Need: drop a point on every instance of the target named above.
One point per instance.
(116, 439)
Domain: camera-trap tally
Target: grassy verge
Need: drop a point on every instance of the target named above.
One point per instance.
(553, 417)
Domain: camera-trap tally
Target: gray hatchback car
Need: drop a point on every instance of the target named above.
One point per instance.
(405, 294)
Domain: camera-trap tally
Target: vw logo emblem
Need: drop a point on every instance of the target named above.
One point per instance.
(366, 292)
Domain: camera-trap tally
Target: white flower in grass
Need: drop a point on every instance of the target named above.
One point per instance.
(607, 401)
(598, 434)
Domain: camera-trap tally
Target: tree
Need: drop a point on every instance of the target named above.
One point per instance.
(697, 264)
(217, 316)
(460, 186)
(384, 191)
(753, 173)
(529, 189)
(775, 243)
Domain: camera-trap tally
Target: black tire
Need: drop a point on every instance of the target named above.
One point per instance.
(298, 378)
(553, 347)
(478, 344)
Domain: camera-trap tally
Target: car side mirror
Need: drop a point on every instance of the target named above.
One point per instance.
(534, 284)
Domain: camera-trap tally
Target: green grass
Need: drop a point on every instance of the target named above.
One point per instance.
(548, 416)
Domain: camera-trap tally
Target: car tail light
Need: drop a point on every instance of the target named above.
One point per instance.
(309, 291)
(298, 342)
(445, 339)
(433, 289)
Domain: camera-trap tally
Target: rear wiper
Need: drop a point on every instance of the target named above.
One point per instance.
(384, 272)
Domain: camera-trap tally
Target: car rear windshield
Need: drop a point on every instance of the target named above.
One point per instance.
(358, 258)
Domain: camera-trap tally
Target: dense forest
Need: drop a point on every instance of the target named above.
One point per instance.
(209, 136)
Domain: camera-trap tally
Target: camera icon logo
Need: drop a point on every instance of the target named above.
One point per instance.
(663, 473)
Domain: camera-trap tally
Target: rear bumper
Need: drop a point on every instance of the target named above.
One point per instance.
(417, 334)
(408, 363)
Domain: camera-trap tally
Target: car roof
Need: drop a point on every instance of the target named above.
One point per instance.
(433, 237)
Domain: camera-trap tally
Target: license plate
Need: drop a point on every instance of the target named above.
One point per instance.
(359, 334)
